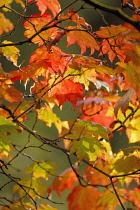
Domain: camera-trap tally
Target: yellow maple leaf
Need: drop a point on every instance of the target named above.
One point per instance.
(11, 53)
(5, 24)
(48, 117)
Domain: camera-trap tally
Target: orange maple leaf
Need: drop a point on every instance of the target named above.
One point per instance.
(98, 113)
(68, 90)
(134, 196)
(55, 59)
(95, 177)
(37, 22)
(82, 38)
(115, 41)
(5, 24)
(10, 93)
(74, 17)
(82, 198)
(52, 5)
(66, 180)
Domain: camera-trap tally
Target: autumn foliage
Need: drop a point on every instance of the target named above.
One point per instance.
(101, 84)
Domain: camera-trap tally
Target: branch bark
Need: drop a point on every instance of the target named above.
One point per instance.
(114, 10)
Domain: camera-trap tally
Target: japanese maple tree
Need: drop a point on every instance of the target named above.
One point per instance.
(99, 87)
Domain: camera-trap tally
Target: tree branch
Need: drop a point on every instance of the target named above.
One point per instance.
(114, 10)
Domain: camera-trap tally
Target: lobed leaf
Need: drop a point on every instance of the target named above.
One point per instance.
(52, 5)
(11, 53)
(41, 169)
(30, 186)
(88, 195)
(64, 181)
(36, 23)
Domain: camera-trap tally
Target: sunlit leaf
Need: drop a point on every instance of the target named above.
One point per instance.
(88, 195)
(48, 117)
(41, 169)
(82, 38)
(87, 147)
(68, 90)
(126, 161)
(133, 196)
(74, 17)
(10, 93)
(64, 181)
(31, 187)
(7, 126)
(46, 207)
(115, 43)
(19, 206)
(124, 101)
(95, 177)
(108, 199)
(35, 23)
(11, 53)
(52, 5)
(5, 145)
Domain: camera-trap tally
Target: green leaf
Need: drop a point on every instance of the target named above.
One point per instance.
(86, 127)
(7, 126)
(41, 169)
(30, 187)
(87, 147)
(5, 144)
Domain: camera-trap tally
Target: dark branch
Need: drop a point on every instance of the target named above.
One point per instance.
(114, 10)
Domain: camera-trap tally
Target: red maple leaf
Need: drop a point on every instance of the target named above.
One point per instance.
(69, 90)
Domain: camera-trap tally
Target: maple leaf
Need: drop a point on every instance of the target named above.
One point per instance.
(19, 206)
(5, 24)
(41, 169)
(95, 177)
(115, 42)
(48, 117)
(85, 142)
(82, 38)
(11, 53)
(35, 23)
(126, 161)
(88, 195)
(133, 131)
(32, 186)
(108, 199)
(131, 75)
(52, 5)
(55, 60)
(10, 93)
(66, 180)
(81, 74)
(5, 145)
(46, 207)
(124, 101)
(68, 90)
(98, 112)
(133, 196)
(74, 17)
(6, 127)
(87, 147)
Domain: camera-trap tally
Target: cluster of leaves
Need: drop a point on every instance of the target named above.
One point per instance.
(103, 91)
